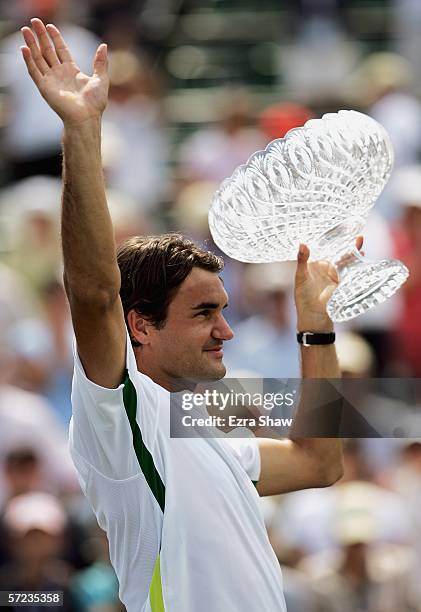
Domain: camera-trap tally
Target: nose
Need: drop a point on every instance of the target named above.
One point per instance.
(222, 331)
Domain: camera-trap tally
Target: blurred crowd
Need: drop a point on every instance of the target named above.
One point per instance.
(196, 88)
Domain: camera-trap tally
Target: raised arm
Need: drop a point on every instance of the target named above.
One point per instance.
(300, 462)
(91, 273)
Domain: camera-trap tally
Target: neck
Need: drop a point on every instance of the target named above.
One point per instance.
(161, 378)
(147, 367)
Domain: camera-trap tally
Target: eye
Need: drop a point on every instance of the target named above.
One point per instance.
(205, 313)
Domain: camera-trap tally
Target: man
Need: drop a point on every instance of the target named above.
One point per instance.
(182, 516)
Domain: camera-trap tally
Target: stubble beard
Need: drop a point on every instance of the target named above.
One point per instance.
(201, 371)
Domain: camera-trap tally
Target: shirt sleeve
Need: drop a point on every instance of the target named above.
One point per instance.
(246, 450)
(100, 430)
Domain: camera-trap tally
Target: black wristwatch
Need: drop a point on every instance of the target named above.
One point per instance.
(308, 338)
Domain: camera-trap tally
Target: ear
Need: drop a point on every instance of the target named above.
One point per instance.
(139, 327)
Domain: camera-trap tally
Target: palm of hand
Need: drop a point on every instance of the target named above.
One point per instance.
(73, 94)
(315, 290)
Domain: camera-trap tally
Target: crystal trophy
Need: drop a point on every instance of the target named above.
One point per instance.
(316, 186)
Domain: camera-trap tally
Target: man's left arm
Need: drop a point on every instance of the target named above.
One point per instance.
(304, 462)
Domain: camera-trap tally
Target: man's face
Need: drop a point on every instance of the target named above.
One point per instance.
(190, 344)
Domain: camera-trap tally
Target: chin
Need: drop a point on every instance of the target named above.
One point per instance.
(216, 372)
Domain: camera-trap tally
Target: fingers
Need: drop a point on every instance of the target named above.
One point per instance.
(303, 253)
(60, 46)
(33, 70)
(45, 54)
(47, 50)
(359, 242)
(302, 259)
(31, 43)
(101, 60)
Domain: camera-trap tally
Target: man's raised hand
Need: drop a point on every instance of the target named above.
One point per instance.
(73, 95)
(314, 284)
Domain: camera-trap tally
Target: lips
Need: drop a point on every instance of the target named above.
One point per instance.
(217, 351)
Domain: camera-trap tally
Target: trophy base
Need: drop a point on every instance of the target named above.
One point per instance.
(336, 241)
(365, 286)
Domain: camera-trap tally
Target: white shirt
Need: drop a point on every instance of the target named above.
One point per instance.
(182, 514)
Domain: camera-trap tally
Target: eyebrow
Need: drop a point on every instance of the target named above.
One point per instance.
(208, 305)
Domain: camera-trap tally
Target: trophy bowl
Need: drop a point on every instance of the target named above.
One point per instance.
(316, 186)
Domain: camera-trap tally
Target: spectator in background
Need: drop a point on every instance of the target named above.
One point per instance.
(15, 303)
(33, 443)
(303, 521)
(386, 80)
(33, 132)
(191, 209)
(315, 63)
(22, 474)
(26, 419)
(95, 588)
(37, 524)
(135, 142)
(382, 85)
(43, 350)
(406, 480)
(32, 208)
(275, 121)
(213, 153)
(363, 574)
(377, 324)
(266, 342)
(406, 29)
(126, 217)
(407, 236)
(369, 458)
(300, 595)
(348, 546)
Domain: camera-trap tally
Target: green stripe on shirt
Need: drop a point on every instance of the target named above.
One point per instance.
(155, 591)
(143, 455)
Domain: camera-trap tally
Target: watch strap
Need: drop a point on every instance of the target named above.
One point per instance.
(308, 338)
